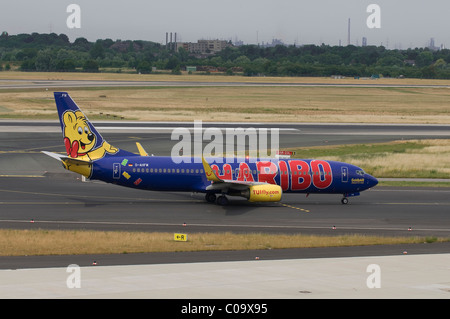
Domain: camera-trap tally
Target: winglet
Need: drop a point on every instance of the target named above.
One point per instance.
(210, 175)
(142, 152)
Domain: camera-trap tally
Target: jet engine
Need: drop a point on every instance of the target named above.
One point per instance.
(263, 193)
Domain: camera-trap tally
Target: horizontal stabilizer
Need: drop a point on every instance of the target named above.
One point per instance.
(54, 155)
(72, 164)
(64, 158)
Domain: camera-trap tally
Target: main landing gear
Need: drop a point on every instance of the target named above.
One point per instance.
(222, 200)
(210, 197)
(344, 200)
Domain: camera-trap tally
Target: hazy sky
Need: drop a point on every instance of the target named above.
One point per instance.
(404, 23)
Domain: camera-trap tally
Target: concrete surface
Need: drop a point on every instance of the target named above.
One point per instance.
(402, 276)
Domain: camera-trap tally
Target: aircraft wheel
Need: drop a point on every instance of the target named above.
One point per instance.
(210, 197)
(344, 200)
(222, 200)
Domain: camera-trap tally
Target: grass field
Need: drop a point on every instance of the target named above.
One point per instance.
(55, 242)
(265, 104)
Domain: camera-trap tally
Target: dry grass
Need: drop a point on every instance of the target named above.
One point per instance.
(55, 242)
(265, 104)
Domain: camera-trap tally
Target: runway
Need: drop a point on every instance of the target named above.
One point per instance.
(36, 192)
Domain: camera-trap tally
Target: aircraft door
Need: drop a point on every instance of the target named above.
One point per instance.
(116, 170)
(344, 175)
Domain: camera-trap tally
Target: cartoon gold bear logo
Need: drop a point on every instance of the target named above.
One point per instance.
(80, 141)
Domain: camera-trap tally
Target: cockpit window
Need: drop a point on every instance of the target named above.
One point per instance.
(360, 172)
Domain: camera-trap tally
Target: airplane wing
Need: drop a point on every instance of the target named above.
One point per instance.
(211, 176)
(218, 183)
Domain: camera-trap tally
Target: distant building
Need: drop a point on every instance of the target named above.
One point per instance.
(274, 43)
(204, 47)
(431, 45)
(238, 43)
(364, 41)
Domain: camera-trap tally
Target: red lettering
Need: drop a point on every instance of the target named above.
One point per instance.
(227, 172)
(266, 172)
(245, 174)
(284, 175)
(300, 178)
(321, 170)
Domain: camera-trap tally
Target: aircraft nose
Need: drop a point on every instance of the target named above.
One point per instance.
(371, 181)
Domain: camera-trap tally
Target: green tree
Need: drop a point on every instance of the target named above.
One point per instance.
(330, 59)
(81, 44)
(97, 51)
(440, 64)
(28, 65)
(144, 67)
(424, 59)
(66, 65)
(429, 72)
(45, 60)
(173, 63)
(90, 66)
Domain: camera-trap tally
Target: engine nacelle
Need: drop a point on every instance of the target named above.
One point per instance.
(263, 193)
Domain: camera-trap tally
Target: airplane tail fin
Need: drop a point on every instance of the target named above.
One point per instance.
(81, 139)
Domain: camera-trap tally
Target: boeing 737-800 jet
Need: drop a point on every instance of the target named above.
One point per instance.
(260, 180)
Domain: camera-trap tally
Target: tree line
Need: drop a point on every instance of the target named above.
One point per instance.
(53, 52)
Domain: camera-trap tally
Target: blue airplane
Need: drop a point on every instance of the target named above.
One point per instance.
(261, 180)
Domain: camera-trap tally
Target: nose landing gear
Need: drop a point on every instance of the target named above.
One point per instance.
(344, 199)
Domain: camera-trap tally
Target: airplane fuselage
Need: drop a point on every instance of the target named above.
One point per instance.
(292, 175)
